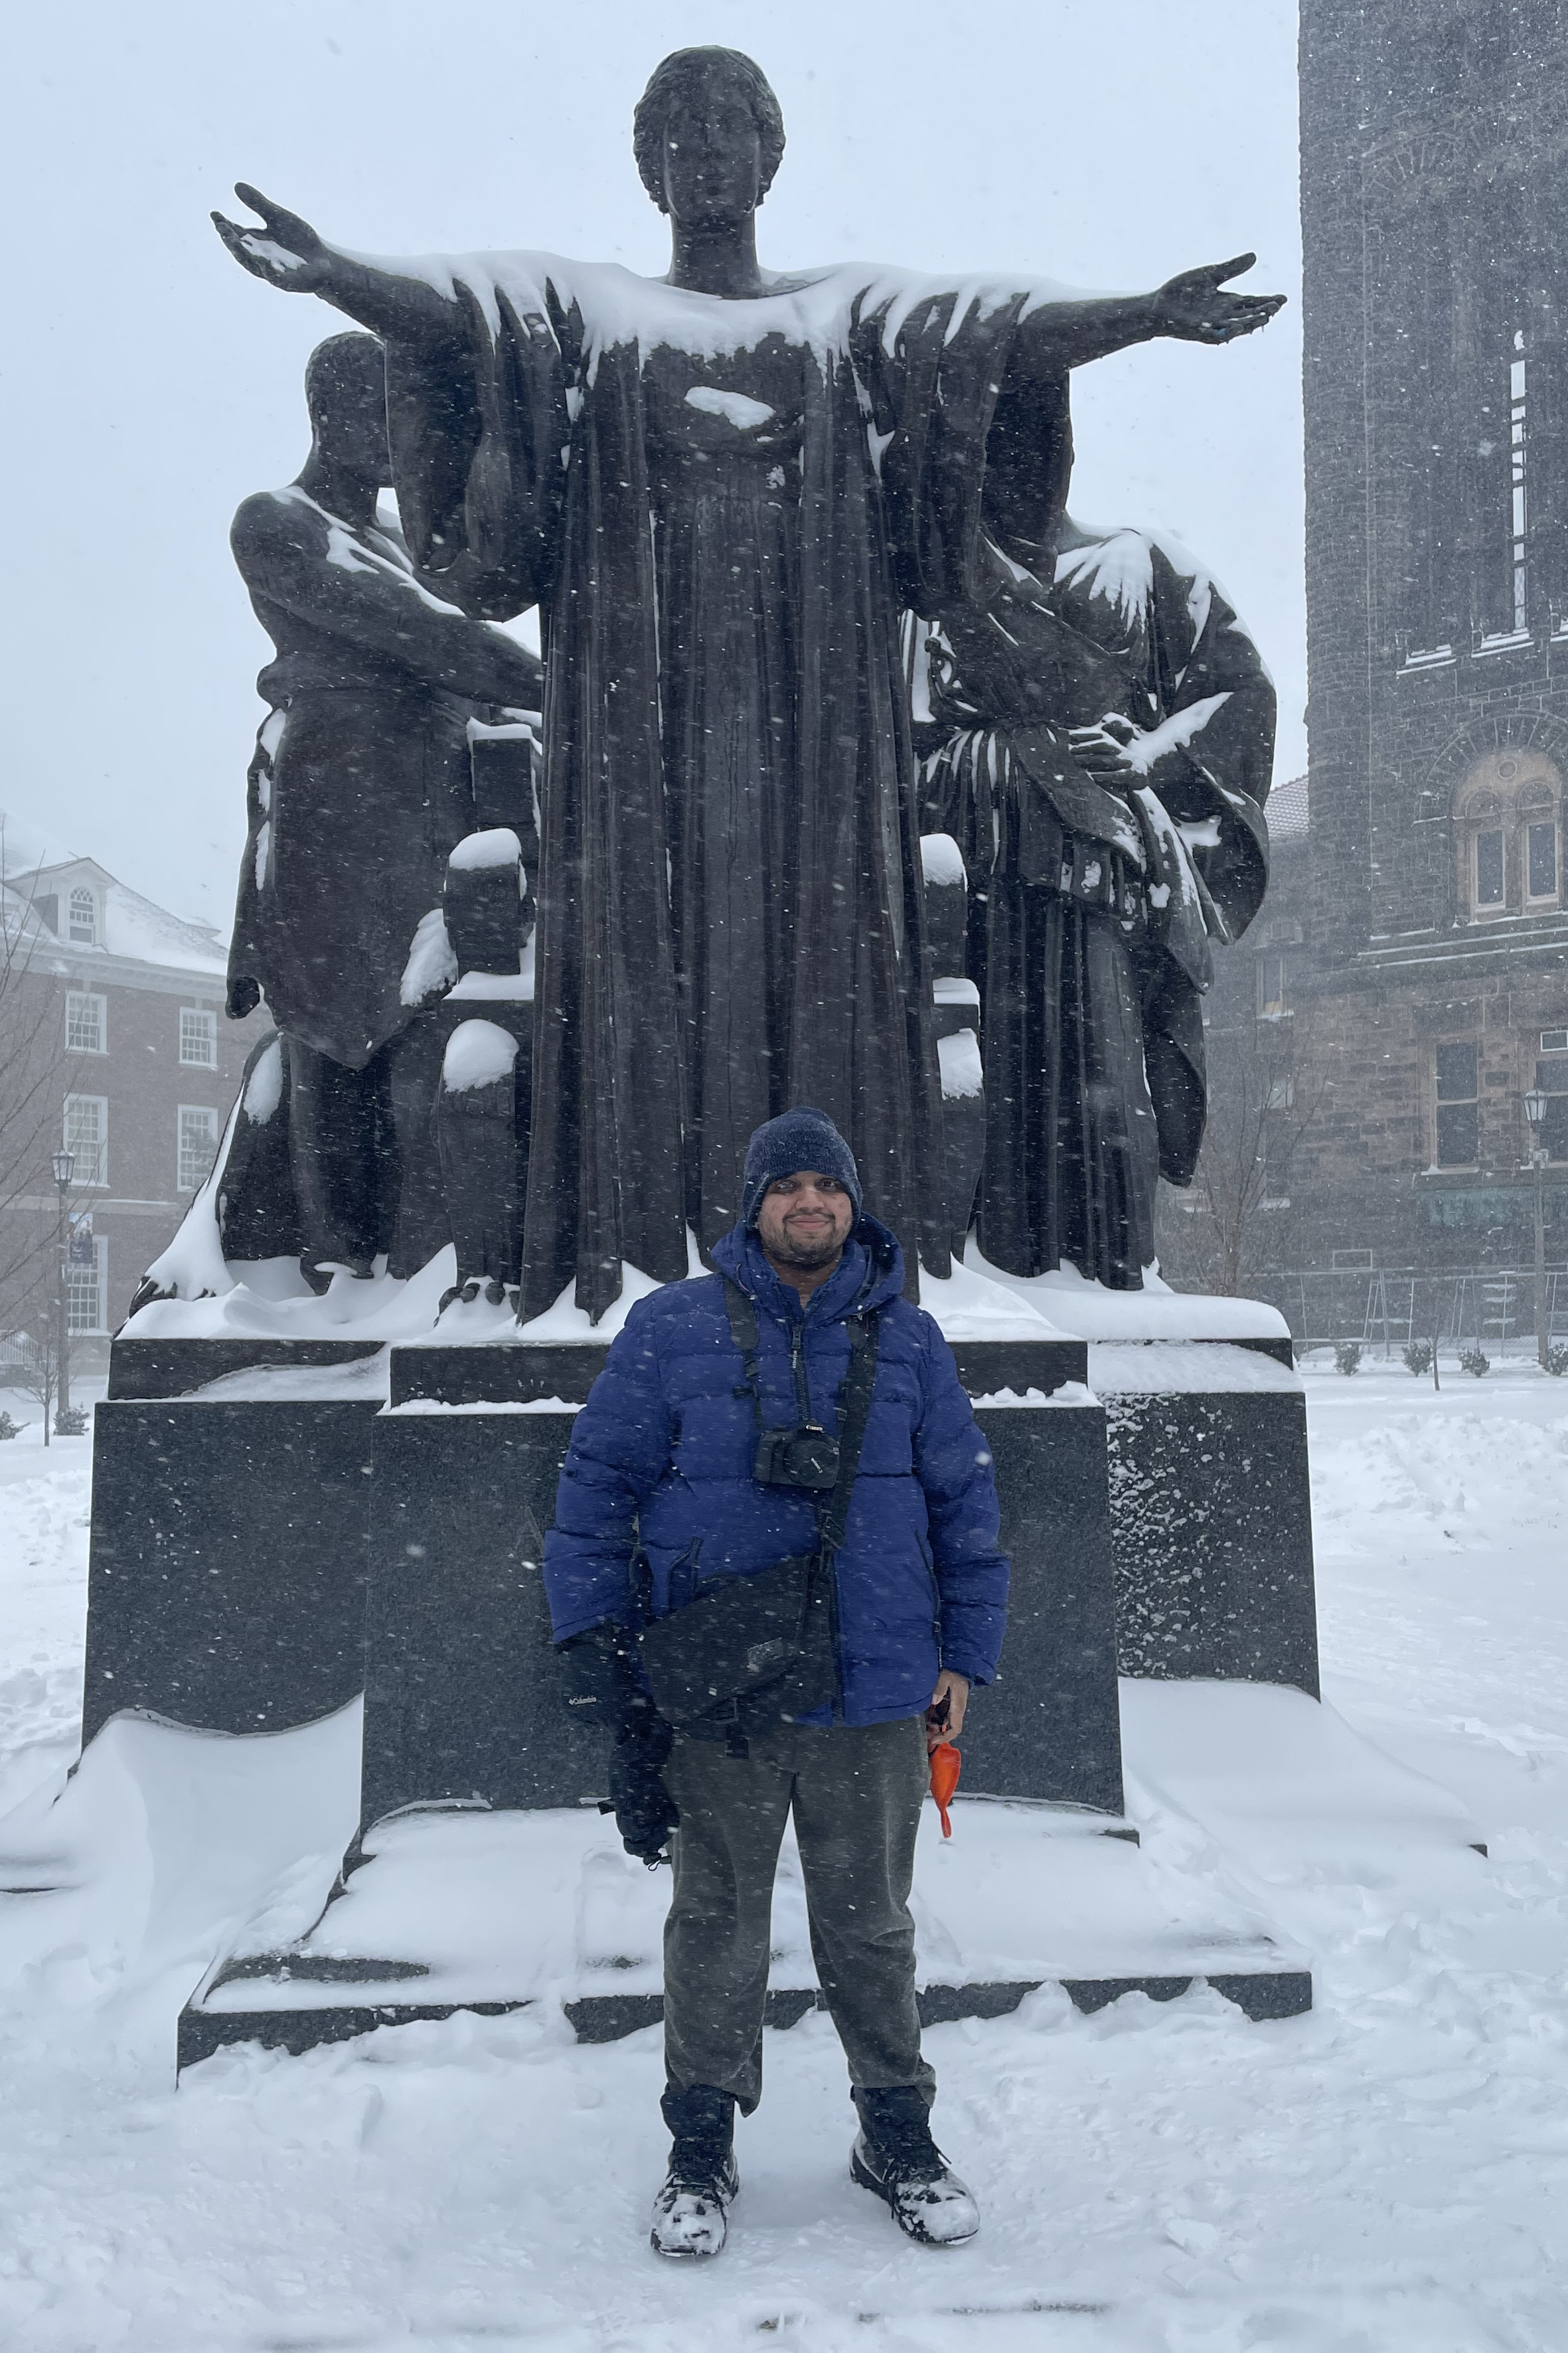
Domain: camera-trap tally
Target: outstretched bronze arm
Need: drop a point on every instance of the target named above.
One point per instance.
(286, 251)
(1194, 308)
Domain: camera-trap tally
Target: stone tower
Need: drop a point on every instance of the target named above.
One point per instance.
(1426, 955)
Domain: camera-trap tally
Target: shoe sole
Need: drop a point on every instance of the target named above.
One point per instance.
(860, 2172)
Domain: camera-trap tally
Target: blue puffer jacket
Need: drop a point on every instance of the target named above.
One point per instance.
(662, 1453)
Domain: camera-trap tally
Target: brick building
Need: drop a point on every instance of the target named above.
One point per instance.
(114, 1042)
(1416, 939)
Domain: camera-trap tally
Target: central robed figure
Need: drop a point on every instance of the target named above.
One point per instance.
(721, 489)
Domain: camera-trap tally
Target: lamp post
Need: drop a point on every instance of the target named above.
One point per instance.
(65, 1169)
(1535, 1114)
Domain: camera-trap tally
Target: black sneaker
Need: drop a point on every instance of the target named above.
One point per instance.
(895, 2156)
(691, 2210)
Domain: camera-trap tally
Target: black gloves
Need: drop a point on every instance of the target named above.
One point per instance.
(604, 1691)
(645, 1812)
(599, 1671)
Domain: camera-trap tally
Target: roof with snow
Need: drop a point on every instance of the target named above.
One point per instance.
(1288, 810)
(36, 877)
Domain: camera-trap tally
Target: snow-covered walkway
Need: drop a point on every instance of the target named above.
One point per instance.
(1390, 2172)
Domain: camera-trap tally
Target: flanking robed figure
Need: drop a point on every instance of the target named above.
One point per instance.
(1096, 729)
(722, 490)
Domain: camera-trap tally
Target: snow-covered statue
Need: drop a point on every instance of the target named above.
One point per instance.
(390, 715)
(1097, 732)
(720, 488)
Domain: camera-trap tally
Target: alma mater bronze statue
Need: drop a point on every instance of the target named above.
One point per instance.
(721, 489)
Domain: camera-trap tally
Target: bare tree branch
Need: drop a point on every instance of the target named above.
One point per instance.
(1233, 1224)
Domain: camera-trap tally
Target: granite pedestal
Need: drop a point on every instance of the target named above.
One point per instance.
(258, 1558)
(461, 1700)
(1211, 1511)
(229, 1554)
(473, 1778)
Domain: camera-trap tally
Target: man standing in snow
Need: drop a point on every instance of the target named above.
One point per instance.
(774, 1575)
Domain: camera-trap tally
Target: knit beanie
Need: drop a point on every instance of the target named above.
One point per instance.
(802, 1138)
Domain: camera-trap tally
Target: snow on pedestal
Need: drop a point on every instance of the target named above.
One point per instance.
(1172, 1368)
(178, 1857)
(972, 1302)
(1089, 1311)
(509, 1909)
(271, 1299)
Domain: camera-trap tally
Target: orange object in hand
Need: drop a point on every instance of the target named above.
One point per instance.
(946, 1764)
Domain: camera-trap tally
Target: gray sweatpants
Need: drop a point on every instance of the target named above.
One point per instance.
(856, 1793)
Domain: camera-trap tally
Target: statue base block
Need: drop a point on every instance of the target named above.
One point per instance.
(270, 1538)
(461, 1910)
(461, 1686)
(1211, 1511)
(273, 1535)
(229, 1553)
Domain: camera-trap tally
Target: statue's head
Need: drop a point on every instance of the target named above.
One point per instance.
(345, 392)
(707, 136)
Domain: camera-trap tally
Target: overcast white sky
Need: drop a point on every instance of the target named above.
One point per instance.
(149, 384)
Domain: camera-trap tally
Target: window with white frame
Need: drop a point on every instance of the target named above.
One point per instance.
(197, 1145)
(81, 916)
(87, 1290)
(86, 1135)
(87, 1022)
(198, 1038)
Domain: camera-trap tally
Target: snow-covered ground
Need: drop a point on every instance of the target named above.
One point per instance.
(1386, 2175)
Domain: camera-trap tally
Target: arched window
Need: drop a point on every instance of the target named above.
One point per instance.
(1508, 836)
(82, 915)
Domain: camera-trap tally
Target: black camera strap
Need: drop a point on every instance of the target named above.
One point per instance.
(748, 1339)
(832, 1517)
(858, 1387)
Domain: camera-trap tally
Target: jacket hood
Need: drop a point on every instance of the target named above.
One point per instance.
(869, 1274)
